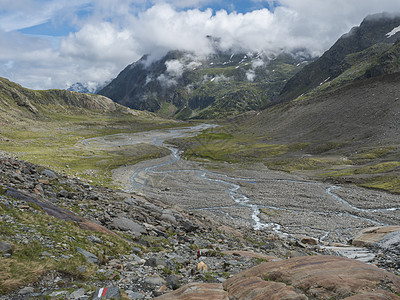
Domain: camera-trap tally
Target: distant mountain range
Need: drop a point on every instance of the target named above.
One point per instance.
(86, 88)
(184, 85)
(227, 83)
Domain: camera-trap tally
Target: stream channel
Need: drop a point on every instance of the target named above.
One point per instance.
(243, 195)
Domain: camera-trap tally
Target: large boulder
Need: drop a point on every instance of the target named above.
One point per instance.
(372, 235)
(320, 277)
(310, 277)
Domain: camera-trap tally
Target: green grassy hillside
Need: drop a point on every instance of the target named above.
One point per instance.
(349, 134)
(45, 127)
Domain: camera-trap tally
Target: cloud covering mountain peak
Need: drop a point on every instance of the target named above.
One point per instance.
(107, 35)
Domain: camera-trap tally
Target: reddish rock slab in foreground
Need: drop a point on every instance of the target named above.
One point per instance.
(378, 295)
(197, 291)
(320, 277)
(300, 278)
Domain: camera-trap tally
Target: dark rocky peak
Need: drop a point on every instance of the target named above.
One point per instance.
(383, 28)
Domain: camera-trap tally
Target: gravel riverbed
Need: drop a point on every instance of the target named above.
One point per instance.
(243, 195)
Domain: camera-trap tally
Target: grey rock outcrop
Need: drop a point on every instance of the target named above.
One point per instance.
(125, 224)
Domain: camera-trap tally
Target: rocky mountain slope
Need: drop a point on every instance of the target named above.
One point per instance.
(184, 85)
(21, 104)
(357, 54)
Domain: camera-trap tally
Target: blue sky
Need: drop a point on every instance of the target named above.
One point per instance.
(55, 43)
(58, 25)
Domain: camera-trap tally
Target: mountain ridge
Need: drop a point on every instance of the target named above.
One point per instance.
(374, 29)
(19, 103)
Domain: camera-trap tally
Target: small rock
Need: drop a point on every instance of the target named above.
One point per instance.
(134, 295)
(5, 247)
(153, 281)
(56, 294)
(309, 241)
(26, 290)
(95, 239)
(162, 289)
(189, 227)
(173, 282)
(49, 174)
(107, 293)
(77, 294)
(154, 262)
(168, 218)
(62, 193)
(90, 257)
(19, 177)
(136, 250)
(44, 181)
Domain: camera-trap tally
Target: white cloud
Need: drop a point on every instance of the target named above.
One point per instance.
(114, 33)
(250, 75)
(174, 68)
(99, 42)
(257, 63)
(166, 81)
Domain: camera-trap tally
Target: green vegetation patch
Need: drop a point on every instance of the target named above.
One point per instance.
(389, 183)
(223, 146)
(373, 153)
(371, 169)
(56, 142)
(304, 163)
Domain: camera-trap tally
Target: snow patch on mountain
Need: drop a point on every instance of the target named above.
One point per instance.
(393, 32)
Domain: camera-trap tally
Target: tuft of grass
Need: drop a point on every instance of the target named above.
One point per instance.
(258, 261)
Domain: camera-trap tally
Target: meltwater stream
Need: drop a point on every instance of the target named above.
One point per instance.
(172, 165)
(140, 177)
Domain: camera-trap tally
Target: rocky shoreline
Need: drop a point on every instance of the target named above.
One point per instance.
(169, 247)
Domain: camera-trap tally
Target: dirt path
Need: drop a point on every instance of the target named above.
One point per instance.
(252, 195)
